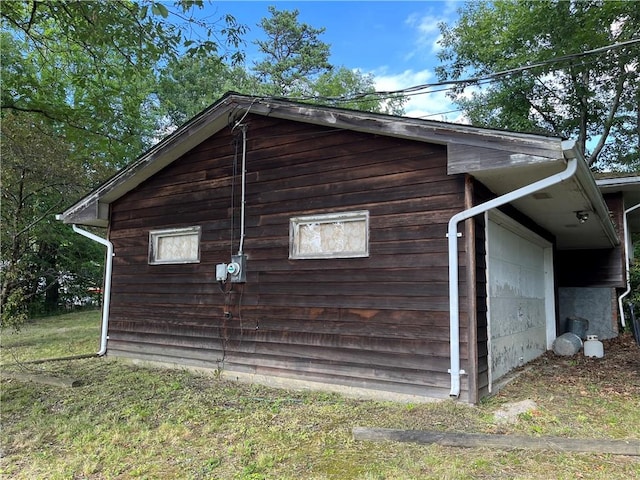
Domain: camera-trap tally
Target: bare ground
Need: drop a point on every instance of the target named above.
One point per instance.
(617, 374)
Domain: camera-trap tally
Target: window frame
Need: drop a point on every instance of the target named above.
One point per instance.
(326, 218)
(156, 235)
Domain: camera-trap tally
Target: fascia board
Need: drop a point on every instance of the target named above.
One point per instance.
(618, 183)
(415, 129)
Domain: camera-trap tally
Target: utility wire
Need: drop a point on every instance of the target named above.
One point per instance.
(478, 80)
(503, 73)
(447, 85)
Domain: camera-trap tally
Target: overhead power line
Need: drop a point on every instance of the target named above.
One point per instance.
(421, 89)
(504, 73)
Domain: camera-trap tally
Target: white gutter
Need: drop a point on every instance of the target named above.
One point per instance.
(106, 295)
(627, 247)
(572, 157)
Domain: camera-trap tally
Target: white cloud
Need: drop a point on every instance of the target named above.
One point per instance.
(431, 106)
(397, 81)
(420, 55)
(426, 27)
(427, 35)
(435, 105)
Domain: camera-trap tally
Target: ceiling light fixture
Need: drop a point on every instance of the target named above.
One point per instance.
(582, 216)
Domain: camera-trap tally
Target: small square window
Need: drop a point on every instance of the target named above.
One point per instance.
(174, 245)
(333, 235)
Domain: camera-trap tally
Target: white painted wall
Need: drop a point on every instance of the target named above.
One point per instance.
(520, 295)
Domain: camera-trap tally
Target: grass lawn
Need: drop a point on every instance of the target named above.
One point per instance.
(125, 421)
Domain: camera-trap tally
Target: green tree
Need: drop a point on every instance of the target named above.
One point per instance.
(295, 63)
(589, 96)
(190, 83)
(352, 89)
(90, 66)
(293, 54)
(75, 97)
(40, 256)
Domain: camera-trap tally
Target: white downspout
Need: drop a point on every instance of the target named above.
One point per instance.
(243, 194)
(454, 307)
(625, 232)
(106, 296)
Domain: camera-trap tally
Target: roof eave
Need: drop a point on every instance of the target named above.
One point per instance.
(463, 142)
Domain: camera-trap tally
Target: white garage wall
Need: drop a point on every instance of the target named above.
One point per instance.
(520, 295)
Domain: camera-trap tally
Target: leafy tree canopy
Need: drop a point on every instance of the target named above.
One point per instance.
(352, 89)
(89, 66)
(190, 83)
(594, 97)
(76, 79)
(294, 63)
(40, 256)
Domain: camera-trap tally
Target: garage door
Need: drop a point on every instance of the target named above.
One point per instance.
(521, 310)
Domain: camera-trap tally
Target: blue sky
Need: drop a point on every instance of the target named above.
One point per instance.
(394, 41)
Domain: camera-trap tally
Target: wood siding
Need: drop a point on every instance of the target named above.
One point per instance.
(380, 322)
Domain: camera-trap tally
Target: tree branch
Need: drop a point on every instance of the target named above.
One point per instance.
(48, 115)
(610, 116)
(31, 17)
(37, 220)
(546, 117)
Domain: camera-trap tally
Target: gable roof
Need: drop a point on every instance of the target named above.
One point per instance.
(502, 160)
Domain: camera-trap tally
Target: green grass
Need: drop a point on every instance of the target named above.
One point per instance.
(52, 337)
(126, 421)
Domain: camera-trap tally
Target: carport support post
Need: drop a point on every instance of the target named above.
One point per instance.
(454, 307)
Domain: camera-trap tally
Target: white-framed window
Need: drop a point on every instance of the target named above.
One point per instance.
(331, 235)
(174, 245)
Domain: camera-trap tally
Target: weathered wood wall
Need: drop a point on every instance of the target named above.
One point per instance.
(379, 322)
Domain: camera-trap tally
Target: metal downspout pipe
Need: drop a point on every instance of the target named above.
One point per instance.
(106, 297)
(454, 306)
(244, 186)
(625, 232)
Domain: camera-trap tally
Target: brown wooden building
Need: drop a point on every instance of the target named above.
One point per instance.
(339, 222)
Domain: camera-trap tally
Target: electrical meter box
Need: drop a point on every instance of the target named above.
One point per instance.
(235, 271)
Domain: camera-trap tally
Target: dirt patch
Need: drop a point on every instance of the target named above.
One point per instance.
(617, 373)
(510, 411)
(552, 378)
